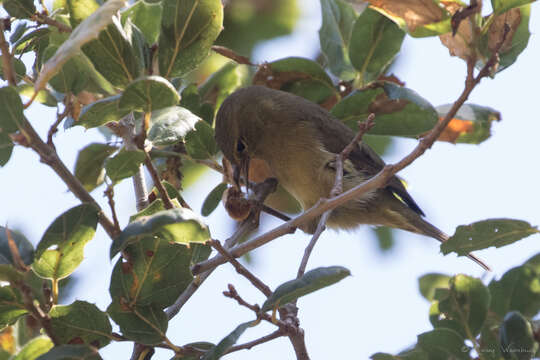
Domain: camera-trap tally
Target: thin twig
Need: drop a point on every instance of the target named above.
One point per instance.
(44, 19)
(242, 269)
(7, 59)
(337, 189)
(233, 294)
(59, 117)
(14, 250)
(247, 346)
(125, 129)
(36, 311)
(373, 183)
(229, 53)
(109, 193)
(157, 182)
(49, 156)
(307, 252)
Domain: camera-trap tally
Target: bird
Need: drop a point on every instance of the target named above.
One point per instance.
(299, 140)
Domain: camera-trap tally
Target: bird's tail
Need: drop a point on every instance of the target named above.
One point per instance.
(428, 229)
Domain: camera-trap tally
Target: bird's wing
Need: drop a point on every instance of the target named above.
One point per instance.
(363, 157)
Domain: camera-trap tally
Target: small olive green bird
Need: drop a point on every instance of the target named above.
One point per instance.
(299, 141)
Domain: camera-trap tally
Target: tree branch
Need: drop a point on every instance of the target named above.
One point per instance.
(7, 61)
(247, 346)
(242, 270)
(41, 18)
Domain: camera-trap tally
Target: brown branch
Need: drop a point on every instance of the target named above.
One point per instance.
(49, 156)
(42, 18)
(157, 182)
(15, 255)
(373, 183)
(109, 193)
(36, 312)
(233, 294)
(229, 53)
(242, 269)
(7, 60)
(247, 346)
(59, 117)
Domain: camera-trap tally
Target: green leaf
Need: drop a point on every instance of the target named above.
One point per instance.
(224, 82)
(299, 76)
(71, 76)
(200, 143)
(6, 148)
(399, 111)
(80, 10)
(80, 323)
(192, 101)
(385, 236)
(143, 324)
(101, 112)
(170, 125)
(71, 352)
(34, 348)
(490, 348)
(22, 9)
(154, 207)
(375, 41)
(113, 55)
(178, 225)
(86, 31)
(467, 302)
(212, 199)
(43, 97)
(148, 93)
(69, 233)
(25, 247)
(147, 17)
(311, 281)
(487, 233)
(443, 343)
(125, 164)
(12, 306)
(337, 23)
(8, 273)
(90, 162)
(429, 282)
(188, 30)
(18, 66)
(32, 41)
(518, 289)
(11, 116)
(471, 124)
(227, 342)
(156, 273)
(501, 6)
(517, 337)
(18, 32)
(516, 41)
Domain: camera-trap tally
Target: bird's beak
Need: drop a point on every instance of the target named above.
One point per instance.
(242, 170)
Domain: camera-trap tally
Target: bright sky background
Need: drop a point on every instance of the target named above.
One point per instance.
(379, 308)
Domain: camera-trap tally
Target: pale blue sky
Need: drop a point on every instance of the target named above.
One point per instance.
(379, 308)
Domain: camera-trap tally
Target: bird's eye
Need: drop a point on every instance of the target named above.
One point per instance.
(240, 146)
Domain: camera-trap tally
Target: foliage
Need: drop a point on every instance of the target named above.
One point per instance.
(135, 69)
